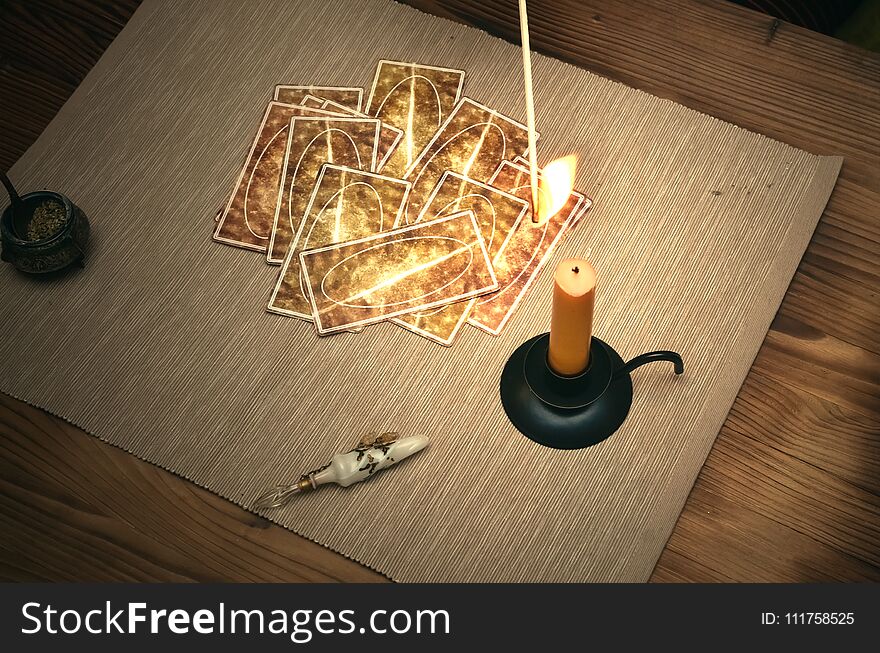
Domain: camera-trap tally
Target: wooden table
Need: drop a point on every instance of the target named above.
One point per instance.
(791, 489)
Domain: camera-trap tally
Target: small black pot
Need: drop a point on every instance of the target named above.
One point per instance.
(50, 254)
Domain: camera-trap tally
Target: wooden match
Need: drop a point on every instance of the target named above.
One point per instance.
(530, 107)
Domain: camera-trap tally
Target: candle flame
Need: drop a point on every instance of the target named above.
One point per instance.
(555, 186)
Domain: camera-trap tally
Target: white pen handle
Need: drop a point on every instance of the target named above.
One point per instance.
(361, 463)
(354, 466)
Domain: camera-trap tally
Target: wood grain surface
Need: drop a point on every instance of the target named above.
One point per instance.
(791, 489)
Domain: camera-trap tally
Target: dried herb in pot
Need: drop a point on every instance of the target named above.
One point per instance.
(47, 219)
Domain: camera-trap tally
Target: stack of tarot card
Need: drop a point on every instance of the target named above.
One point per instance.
(414, 208)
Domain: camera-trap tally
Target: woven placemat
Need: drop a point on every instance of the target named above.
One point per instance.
(162, 345)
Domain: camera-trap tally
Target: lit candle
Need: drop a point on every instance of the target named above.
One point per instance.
(571, 323)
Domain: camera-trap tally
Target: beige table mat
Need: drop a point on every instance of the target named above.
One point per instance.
(162, 345)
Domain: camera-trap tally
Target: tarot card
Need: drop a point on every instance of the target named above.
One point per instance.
(497, 214)
(247, 219)
(346, 204)
(312, 142)
(352, 97)
(523, 254)
(389, 137)
(416, 99)
(412, 268)
(473, 141)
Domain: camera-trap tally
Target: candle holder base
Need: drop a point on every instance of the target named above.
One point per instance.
(571, 412)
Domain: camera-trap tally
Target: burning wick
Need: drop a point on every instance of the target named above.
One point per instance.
(556, 184)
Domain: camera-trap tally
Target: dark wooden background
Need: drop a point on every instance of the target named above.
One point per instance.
(791, 490)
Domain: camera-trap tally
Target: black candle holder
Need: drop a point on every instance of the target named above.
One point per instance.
(571, 412)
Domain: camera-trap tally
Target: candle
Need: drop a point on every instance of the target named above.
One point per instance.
(571, 323)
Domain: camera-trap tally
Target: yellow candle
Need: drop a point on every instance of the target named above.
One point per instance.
(571, 323)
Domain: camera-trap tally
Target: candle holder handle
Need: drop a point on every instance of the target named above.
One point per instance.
(651, 357)
(571, 412)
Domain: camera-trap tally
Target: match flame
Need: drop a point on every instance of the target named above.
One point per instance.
(555, 186)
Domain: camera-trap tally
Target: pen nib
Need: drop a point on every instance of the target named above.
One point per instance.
(281, 494)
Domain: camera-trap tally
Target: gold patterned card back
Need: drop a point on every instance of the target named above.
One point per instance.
(409, 269)
(247, 219)
(311, 143)
(330, 105)
(497, 214)
(473, 141)
(389, 137)
(350, 96)
(415, 98)
(346, 204)
(524, 253)
(318, 103)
